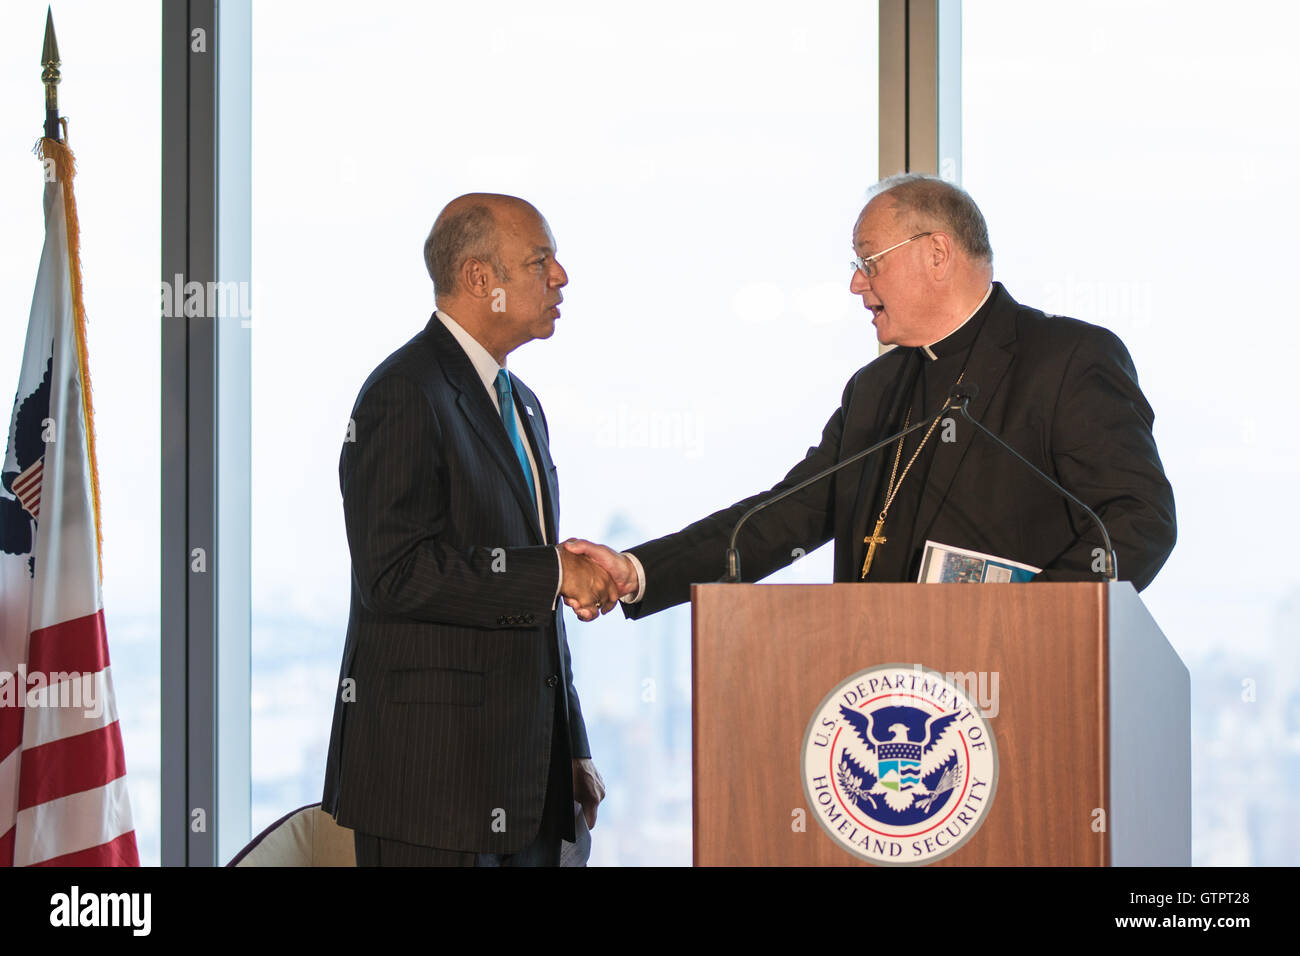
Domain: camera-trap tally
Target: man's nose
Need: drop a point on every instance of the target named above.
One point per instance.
(859, 283)
(559, 278)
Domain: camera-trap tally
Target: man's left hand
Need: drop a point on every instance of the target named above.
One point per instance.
(588, 788)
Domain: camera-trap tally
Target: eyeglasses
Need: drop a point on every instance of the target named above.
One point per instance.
(867, 264)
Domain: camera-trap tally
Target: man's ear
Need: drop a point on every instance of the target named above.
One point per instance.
(476, 278)
(939, 254)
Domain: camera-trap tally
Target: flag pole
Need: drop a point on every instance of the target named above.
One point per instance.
(54, 147)
(64, 799)
(50, 77)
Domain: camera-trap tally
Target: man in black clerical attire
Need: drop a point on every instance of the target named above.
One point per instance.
(1061, 392)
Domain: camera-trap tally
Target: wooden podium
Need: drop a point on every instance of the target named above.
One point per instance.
(1090, 713)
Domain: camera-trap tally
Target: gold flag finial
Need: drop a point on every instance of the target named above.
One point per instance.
(50, 76)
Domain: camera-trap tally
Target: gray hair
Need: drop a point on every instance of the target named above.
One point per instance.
(468, 233)
(933, 203)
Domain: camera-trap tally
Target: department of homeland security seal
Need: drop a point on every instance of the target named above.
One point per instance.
(899, 766)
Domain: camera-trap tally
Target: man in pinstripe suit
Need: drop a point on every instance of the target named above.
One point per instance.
(458, 737)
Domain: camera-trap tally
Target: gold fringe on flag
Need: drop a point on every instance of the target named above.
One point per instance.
(65, 168)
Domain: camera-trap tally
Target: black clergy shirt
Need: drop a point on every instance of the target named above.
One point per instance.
(925, 382)
(1064, 393)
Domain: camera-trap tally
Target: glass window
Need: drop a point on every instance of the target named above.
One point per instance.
(1133, 162)
(701, 166)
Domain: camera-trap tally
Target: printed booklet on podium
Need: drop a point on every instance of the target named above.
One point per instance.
(944, 564)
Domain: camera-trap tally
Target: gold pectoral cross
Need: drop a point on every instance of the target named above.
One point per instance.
(875, 538)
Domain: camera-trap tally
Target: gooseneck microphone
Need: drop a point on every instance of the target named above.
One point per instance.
(732, 575)
(960, 397)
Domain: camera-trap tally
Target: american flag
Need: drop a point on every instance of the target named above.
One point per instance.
(63, 796)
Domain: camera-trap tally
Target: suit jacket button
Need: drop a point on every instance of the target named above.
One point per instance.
(552, 681)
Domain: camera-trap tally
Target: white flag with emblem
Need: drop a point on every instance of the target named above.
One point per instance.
(63, 797)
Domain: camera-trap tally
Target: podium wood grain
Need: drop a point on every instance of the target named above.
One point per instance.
(765, 656)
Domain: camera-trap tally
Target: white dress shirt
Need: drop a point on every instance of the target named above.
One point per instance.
(487, 368)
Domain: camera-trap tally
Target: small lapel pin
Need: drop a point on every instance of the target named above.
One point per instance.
(528, 409)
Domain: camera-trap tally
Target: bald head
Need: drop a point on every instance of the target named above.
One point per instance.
(492, 259)
(469, 227)
(924, 203)
(929, 260)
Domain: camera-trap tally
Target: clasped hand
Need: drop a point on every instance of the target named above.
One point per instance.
(594, 577)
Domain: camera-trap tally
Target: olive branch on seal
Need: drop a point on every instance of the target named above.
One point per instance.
(851, 784)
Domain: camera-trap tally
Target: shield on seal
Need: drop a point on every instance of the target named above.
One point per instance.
(899, 764)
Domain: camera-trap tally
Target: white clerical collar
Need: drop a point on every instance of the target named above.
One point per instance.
(479, 357)
(926, 348)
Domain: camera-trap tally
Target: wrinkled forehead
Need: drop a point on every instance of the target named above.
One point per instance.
(526, 226)
(876, 225)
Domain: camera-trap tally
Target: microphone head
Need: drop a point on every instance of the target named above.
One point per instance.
(963, 392)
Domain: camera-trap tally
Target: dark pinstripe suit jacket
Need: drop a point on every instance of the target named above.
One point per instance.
(442, 728)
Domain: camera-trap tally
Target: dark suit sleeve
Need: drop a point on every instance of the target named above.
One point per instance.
(767, 542)
(1104, 452)
(394, 511)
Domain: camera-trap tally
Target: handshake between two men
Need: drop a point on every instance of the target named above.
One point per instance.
(468, 713)
(923, 269)
(594, 577)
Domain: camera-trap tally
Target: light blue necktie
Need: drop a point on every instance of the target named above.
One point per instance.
(507, 400)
